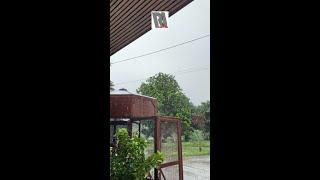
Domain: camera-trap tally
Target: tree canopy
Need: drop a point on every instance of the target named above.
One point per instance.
(202, 111)
(171, 100)
(111, 86)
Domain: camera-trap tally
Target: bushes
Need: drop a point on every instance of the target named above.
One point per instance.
(128, 159)
(197, 137)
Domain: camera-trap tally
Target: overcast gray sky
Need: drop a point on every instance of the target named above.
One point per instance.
(191, 22)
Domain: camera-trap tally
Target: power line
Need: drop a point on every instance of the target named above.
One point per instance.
(190, 70)
(186, 42)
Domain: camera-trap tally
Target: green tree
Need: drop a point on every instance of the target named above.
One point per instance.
(197, 137)
(111, 86)
(203, 111)
(171, 100)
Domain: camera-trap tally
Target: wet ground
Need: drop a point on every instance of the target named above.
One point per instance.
(196, 168)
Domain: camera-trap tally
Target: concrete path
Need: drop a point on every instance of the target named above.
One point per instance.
(196, 168)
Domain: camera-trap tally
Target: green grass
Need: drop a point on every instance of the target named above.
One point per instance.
(192, 148)
(205, 143)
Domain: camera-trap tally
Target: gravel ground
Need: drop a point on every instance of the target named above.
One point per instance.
(196, 168)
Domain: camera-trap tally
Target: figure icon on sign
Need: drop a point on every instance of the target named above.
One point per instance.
(159, 19)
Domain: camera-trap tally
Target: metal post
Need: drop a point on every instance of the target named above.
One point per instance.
(139, 128)
(114, 134)
(157, 142)
(130, 128)
(180, 150)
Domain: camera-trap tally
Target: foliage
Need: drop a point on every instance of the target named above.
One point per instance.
(203, 111)
(197, 137)
(128, 159)
(111, 86)
(171, 100)
(147, 128)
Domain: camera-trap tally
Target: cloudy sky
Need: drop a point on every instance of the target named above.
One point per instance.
(189, 62)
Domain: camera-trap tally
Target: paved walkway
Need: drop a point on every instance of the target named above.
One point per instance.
(196, 168)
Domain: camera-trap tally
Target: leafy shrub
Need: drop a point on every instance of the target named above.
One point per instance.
(206, 135)
(128, 160)
(197, 137)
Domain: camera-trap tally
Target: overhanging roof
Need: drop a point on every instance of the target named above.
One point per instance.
(130, 19)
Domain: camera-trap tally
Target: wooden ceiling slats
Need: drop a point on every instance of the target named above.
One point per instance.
(114, 5)
(129, 16)
(138, 13)
(137, 32)
(112, 2)
(142, 18)
(119, 12)
(130, 19)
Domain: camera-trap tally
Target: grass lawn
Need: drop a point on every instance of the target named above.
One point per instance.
(188, 148)
(192, 148)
